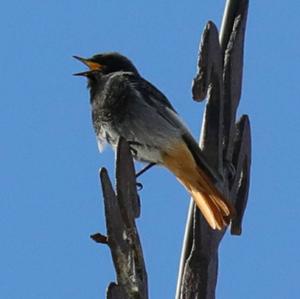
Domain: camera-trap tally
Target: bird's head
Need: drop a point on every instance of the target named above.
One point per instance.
(106, 63)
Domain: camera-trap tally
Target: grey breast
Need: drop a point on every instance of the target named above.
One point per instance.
(122, 108)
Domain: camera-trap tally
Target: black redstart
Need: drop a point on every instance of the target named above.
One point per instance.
(126, 105)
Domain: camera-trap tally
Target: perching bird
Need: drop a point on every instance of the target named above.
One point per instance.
(126, 105)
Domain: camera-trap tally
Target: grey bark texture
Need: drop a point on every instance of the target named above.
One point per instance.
(121, 209)
(225, 143)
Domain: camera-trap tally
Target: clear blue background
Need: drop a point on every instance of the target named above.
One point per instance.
(50, 196)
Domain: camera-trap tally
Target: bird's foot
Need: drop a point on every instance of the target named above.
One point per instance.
(139, 173)
(139, 186)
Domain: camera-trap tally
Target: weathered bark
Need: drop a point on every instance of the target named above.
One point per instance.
(225, 143)
(121, 209)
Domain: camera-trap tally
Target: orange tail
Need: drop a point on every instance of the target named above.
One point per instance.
(214, 207)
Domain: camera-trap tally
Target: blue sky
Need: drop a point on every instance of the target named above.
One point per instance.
(50, 195)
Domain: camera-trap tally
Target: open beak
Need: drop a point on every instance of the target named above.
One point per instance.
(93, 66)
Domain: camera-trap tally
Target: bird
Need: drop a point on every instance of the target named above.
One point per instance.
(126, 105)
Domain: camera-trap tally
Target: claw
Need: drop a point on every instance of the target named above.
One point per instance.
(139, 186)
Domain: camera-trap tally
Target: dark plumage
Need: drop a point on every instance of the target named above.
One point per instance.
(124, 104)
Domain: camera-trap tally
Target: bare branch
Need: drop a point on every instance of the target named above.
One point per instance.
(121, 209)
(225, 144)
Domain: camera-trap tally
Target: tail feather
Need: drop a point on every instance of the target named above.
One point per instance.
(209, 210)
(215, 208)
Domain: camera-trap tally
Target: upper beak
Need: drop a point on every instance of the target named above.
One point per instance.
(93, 66)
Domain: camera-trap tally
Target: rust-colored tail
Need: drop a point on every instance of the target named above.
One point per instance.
(214, 207)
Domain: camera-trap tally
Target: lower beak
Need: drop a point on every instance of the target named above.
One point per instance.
(84, 74)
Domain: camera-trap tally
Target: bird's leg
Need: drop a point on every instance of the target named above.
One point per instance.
(144, 169)
(135, 154)
(140, 185)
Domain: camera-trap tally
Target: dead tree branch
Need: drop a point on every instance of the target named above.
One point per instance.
(121, 209)
(225, 143)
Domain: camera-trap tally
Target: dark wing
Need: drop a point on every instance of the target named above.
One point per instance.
(141, 113)
(150, 119)
(153, 95)
(158, 101)
(163, 107)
